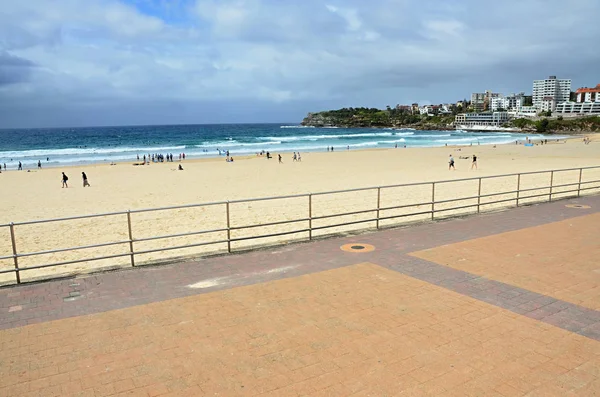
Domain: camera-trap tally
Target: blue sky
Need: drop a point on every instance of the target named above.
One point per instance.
(111, 62)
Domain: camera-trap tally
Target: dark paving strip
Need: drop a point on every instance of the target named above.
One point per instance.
(565, 315)
(53, 300)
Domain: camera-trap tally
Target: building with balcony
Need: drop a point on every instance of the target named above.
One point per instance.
(547, 93)
(581, 108)
(488, 119)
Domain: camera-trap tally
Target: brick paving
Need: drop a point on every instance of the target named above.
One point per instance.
(305, 319)
(567, 251)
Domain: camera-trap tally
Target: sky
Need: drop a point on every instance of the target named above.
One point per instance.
(130, 62)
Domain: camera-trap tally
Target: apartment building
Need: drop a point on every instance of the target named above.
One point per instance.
(481, 101)
(510, 102)
(549, 92)
(588, 94)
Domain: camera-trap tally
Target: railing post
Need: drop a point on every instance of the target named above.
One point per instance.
(518, 188)
(378, 204)
(551, 183)
(14, 249)
(479, 195)
(130, 238)
(310, 216)
(228, 228)
(432, 199)
(579, 185)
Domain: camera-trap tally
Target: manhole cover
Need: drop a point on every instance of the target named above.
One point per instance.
(579, 206)
(357, 247)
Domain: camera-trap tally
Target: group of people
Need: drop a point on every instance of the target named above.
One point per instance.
(20, 165)
(451, 162)
(295, 157)
(160, 158)
(65, 180)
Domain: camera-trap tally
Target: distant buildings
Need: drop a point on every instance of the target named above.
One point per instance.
(547, 93)
(587, 102)
(480, 101)
(588, 94)
(524, 111)
(474, 120)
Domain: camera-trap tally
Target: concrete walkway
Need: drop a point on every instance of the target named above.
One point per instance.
(497, 304)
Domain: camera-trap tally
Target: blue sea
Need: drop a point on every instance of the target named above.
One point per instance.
(74, 146)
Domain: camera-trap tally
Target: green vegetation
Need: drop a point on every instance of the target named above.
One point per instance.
(577, 124)
(373, 117)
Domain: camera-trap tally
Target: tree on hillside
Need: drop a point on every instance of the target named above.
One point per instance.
(542, 125)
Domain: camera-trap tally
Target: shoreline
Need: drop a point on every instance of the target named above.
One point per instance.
(242, 157)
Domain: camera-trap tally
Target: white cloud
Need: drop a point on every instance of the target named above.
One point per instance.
(270, 51)
(349, 15)
(444, 29)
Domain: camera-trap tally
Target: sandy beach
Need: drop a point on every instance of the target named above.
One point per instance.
(38, 195)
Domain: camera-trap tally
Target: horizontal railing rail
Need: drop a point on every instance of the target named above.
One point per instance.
(310, 223)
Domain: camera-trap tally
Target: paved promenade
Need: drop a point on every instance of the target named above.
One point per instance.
(500, 304)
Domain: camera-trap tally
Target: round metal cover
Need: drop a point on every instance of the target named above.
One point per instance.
(578, 206)
(357, 247)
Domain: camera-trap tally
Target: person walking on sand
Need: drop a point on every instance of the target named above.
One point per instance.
(65, 178)
(39, 165)
(295, 158)
(280, 160)
(474, 164)
(451, 164)
(85, 181)
(299, 158)
(20, 167)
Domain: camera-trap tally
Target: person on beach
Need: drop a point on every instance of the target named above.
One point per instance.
(20, 168)
(85, 181)
(474, 164)
(295, 158)
(280, 160)
(180, 168)
(451, 164)
(65, 178)
(299, 158)
(39, 165)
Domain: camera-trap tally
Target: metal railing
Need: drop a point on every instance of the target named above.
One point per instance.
(575, 189)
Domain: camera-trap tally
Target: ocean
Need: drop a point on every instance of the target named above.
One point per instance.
(74, 146)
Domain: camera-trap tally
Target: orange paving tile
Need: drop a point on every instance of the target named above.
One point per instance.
(558, 259)
(360, 330)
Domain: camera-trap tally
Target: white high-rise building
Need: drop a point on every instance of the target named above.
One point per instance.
(547, 93)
